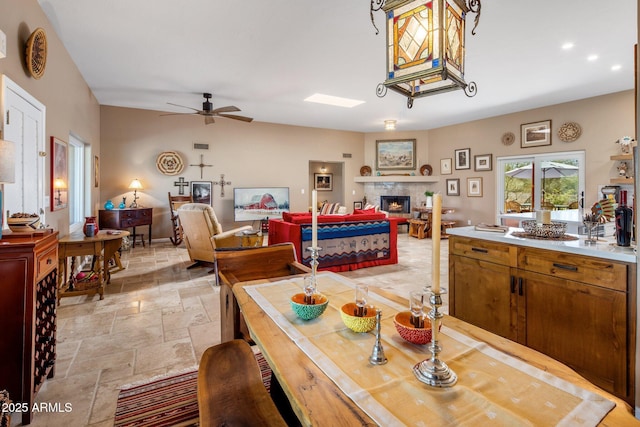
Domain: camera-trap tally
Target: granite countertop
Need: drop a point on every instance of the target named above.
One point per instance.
(604, 248)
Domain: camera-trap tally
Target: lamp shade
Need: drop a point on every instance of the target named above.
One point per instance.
(59, 184)
(7, 161)
(135, 185)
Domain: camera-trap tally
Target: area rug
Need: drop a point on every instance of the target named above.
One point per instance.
(168, 401)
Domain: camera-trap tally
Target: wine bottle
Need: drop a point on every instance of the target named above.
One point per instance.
(624, 221)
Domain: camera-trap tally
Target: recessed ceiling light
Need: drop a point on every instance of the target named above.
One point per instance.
(389, 124)
(333, 100)
(616, 67)
(567, 46)
(592, 57)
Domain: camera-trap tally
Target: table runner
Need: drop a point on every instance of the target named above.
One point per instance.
(492, 387)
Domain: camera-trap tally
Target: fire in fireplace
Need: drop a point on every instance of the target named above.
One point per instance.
(396, 204)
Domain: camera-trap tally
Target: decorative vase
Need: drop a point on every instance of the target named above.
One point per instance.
(429, 202)
(90, 227)
(109, 205)
(123, 204)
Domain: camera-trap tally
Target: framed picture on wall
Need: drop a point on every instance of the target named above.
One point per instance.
(201, 192)
(535, 134)
(463, 158)
(483, 162)
(323, 181)
(59, 174)
(399, 154)
(474, 187)
(357, 205)
(96, 171)
(453, 187)
(445, 167)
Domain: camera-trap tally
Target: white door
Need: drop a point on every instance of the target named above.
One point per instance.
(23, 121)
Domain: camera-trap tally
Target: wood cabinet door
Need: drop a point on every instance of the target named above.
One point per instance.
(583, 326)
(483, 295)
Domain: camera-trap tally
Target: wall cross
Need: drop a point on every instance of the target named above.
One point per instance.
(181, 183)
(201, 165)
(222, 183)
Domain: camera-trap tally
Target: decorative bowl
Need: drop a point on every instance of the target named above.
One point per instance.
(365, 323)
(555, 229)
(309, 311)
(23, 222)
(408, 332)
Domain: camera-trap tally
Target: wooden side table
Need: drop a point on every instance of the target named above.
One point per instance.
(102, 247)
(419, 228)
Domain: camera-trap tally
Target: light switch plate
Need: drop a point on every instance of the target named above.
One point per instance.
(3, 45)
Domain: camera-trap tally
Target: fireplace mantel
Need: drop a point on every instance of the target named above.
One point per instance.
(397, 178)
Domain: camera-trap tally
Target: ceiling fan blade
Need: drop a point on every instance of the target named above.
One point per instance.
(227, 109)
(208, 120)
(182, 106)
(235, 117)
(177, 114)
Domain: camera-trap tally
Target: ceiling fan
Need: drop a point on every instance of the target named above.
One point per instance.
(209, 113)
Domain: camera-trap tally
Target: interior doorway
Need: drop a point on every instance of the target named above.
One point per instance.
(24, 124)
(328, 179)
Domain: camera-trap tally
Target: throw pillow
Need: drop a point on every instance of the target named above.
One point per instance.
(329, 208)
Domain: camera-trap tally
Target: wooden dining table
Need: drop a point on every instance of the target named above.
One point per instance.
(317, 400)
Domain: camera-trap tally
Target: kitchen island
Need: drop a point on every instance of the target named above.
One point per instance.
(572, 301)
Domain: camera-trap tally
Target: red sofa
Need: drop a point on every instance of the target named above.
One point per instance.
(347, 242)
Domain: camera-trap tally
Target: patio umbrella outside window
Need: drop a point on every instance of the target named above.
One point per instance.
(549, 169)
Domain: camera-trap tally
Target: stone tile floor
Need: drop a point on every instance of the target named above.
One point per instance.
(157, 317)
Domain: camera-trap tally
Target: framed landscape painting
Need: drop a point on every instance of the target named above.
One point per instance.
(397, 154)
(535, 134)
(483, 162)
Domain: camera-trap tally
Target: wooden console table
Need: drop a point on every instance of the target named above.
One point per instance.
(102, 247)
(121, 219)
(27, 313)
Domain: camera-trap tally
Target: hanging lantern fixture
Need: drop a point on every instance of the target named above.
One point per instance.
(425, 46)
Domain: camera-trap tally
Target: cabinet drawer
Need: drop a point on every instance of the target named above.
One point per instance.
(594, 271)
(46, 262)
(484, 250)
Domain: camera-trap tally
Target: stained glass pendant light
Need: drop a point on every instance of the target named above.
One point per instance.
(425, 47)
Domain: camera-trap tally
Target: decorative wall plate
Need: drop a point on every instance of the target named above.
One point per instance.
(508, 138)
(365, 171)
(569, 132)
(36, 53)
(426, 170)
(169, 163)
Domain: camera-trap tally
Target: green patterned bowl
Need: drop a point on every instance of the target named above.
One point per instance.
(309, 311)
(365, 323)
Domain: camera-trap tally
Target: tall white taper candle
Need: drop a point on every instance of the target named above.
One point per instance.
(436, 222)
(314, 219)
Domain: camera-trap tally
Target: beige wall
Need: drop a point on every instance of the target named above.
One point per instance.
(70, 104)
(603, 120)
(248, 154)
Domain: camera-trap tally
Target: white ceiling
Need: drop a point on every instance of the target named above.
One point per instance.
(265, 57)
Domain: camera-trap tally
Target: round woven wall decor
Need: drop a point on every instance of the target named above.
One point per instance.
(508, 138)
(36, 53)
(569, 132)
(169, 163)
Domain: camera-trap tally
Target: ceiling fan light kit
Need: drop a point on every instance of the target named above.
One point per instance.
(209, 113)
(426, 47)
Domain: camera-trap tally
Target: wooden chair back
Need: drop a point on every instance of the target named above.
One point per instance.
(244, 264)
(174, 204)
(231, 391)
(547, 206)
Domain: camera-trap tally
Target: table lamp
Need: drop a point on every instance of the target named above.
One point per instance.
(135, 186)
(59, 185)
(7, 172)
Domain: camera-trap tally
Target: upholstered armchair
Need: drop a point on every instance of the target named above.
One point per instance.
(203, 233)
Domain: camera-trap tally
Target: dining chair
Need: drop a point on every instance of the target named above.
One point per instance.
(174, 204)
(512, 206)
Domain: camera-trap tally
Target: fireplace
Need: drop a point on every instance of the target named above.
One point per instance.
(396, 205)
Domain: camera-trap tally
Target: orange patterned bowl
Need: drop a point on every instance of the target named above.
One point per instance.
(365, 323)
(409, 332)
(309, 311)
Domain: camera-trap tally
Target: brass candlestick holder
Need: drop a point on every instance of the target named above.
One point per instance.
(311, 288)
(434, 371)
(377, 353)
